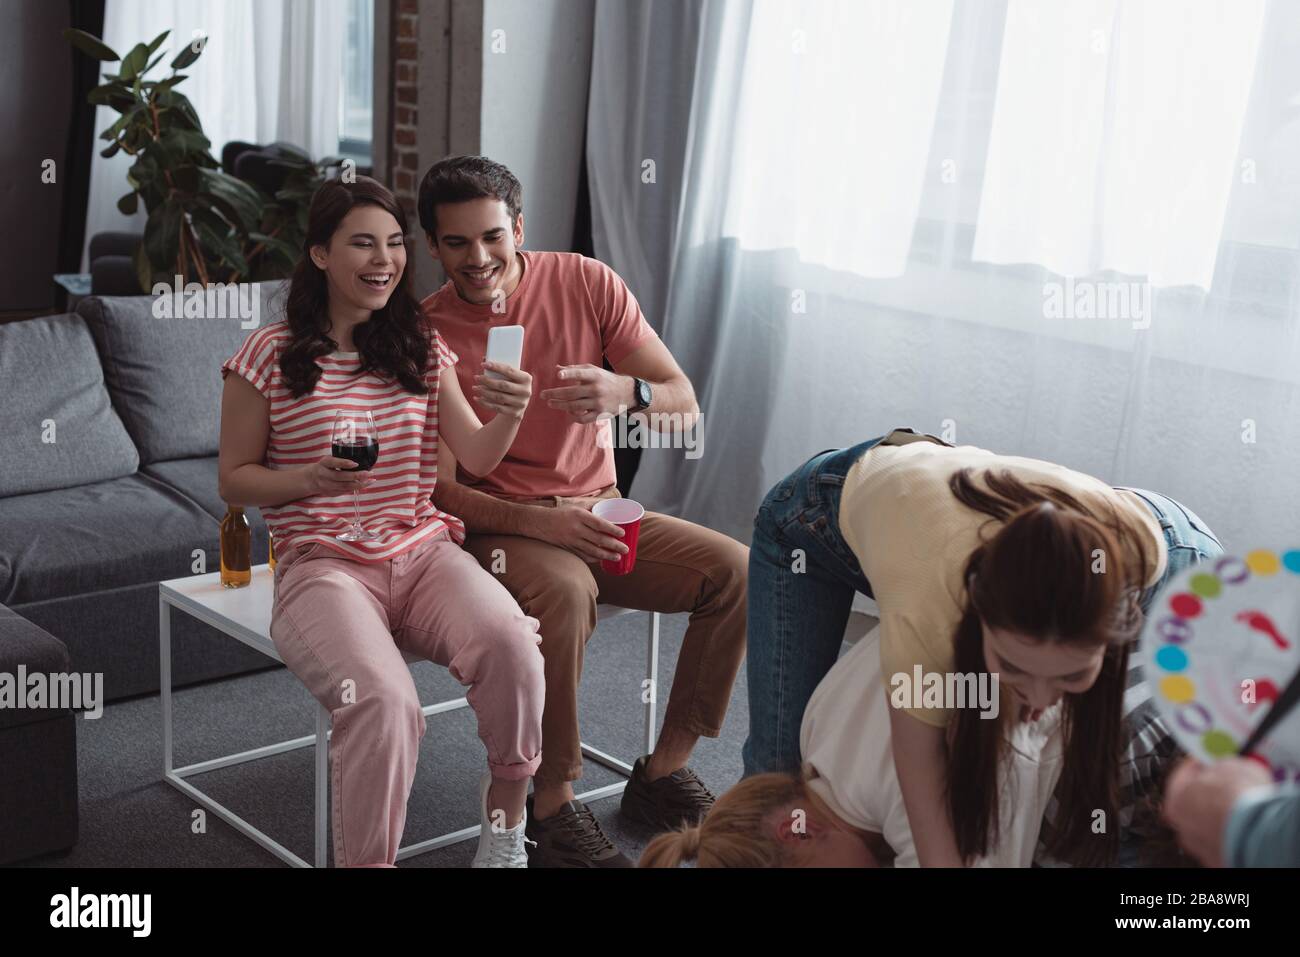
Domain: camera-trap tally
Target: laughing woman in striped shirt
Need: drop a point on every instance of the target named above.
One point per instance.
(353, 340)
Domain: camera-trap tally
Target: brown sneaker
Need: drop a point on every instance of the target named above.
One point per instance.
(669, 803)
(570, 838)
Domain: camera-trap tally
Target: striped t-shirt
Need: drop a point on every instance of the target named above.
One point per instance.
(397, 505)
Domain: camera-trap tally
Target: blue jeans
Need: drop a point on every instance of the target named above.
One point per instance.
(802, 576)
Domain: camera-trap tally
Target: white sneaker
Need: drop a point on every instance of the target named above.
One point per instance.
(498, 847)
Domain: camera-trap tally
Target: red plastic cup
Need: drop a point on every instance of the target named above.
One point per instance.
(626, 514)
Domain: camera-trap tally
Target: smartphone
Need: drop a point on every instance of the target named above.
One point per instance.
(505, 345)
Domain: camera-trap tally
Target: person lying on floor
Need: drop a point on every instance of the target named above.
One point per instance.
(981, 564)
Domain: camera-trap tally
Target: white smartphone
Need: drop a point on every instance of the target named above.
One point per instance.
(505, 345)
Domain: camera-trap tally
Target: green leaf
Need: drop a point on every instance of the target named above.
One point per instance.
(275, 244)
(227, 211)
(188, 55)
(135, 61)
(100, 94)
(162, 239)
(152, 63)
(128, 204)
(91, 46)
(111, 150)
(118, 125)
(221, 246)
(240, 196)
(190, 141)
(157, 42)
(208, 215)
(186, 178)
(166, 84)
(117, 96)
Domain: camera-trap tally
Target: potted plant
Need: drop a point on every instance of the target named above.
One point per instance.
(203, 224)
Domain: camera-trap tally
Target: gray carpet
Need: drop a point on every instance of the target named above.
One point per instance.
(129, 818)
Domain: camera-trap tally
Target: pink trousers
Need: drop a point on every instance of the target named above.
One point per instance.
(341, 626)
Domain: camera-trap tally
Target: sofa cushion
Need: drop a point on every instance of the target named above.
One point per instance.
(52, 388)
(197, 479)
(95, 537)
(164, 374)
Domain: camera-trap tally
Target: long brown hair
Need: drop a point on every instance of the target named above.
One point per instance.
(394, 343)
(1040, 574)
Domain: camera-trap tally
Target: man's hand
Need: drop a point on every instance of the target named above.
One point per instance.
(1199, 800)
(590, 538)
(594, 392)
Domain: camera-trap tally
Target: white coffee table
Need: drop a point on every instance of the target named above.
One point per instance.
(245, 615)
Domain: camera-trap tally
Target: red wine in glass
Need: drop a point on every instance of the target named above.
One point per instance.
(355, 438)
(365, 454)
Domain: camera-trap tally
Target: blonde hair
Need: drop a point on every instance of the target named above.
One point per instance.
(735, 833)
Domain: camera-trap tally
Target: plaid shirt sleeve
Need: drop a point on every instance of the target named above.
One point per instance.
(1149, 753)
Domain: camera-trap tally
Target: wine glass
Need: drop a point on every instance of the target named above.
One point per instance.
(355, 438)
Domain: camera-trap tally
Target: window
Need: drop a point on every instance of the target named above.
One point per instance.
(356, 91)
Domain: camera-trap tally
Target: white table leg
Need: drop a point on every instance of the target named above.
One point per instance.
(322, 782)
(165, 678)
(652, 672)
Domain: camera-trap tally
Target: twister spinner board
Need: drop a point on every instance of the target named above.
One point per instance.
(1221, 642)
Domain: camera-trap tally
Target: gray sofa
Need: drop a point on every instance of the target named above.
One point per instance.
(108, 486)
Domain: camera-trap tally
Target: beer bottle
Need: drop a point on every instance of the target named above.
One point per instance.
(236, 548)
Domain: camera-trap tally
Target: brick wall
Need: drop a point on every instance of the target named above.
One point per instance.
(404, 158)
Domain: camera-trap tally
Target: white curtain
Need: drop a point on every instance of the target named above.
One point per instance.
(270, 72)
(1067, 230)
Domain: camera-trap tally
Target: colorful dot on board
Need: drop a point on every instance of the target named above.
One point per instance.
(1205, 585)
(1185, 605)
(1177, 688)
(1291, 560)
(1218, 743)
(1263, 562)
(1171, 658)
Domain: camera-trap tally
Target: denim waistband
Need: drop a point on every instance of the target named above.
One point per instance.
(838, 462)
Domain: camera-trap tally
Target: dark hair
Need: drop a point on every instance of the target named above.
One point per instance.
(1037, 576)
(458, 179)
(395, 341)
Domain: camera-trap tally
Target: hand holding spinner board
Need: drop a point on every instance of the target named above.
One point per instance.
(1221, 643)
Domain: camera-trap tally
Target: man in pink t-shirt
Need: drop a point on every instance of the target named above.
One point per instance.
(530, 520)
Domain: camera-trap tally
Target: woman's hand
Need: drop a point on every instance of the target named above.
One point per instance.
(508, 395)
(332, 476)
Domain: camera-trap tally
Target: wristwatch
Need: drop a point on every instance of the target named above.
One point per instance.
(641, 389)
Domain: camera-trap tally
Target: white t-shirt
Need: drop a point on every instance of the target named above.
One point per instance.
(845, 736)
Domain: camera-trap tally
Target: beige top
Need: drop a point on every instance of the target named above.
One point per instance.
(912, 538)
